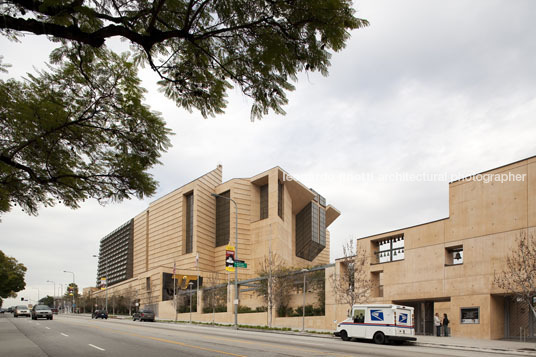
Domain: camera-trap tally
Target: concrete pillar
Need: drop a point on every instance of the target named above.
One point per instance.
(200, 301)
(230, 299)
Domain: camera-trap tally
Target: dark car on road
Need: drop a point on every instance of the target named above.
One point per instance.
(54, 311)
(144, 315)
(100, 314)
(41, 311)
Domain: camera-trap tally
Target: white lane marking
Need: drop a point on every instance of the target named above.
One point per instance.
(37, 323)
(48, 328)
(61, 333)
(100, 349)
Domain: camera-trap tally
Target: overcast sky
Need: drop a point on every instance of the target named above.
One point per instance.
(431, 87)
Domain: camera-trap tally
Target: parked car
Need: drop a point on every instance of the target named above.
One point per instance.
(2, 310)
(41, 311)
(10, 309)
(144, 315)
(54, 311)
(21, 310)
(103, 314)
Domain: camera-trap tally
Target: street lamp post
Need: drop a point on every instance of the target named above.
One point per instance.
(106, 286)
(235, 257)
(53, 295)
(62, 299)
(72, 303)
(304, 271)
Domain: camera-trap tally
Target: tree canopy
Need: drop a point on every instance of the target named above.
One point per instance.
(80, 130)
(47, 300)
(11, 276)
(77, 131)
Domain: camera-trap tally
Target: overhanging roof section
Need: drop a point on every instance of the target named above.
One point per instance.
(331, 214)
(300, 194)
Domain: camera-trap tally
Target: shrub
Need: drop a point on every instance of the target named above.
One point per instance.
(244, 309)
(219, 308)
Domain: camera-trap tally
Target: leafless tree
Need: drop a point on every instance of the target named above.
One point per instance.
(128, 293)
(213, 297)
(276, 288)
(519, 274)
(353, 284)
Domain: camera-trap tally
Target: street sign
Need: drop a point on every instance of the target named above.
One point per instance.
(240, 264)
(229, 259)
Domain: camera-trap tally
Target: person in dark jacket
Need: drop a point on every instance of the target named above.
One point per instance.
(445, 325)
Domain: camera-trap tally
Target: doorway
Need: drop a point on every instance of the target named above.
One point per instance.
(423, 315)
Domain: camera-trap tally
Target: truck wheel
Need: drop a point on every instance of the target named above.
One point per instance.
(344, 335)
(379, 338)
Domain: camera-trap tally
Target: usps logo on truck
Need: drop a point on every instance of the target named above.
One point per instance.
(403, 318)
(376, 315)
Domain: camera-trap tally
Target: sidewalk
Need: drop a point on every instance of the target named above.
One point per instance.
(468, 344)
(15, 343)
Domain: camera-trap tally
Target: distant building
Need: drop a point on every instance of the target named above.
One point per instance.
(447, 266)
(190, 229)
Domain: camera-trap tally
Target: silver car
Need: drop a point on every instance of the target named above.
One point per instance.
(41, 311)
(21, 310)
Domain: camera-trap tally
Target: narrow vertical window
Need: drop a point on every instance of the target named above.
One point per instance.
(223, 219)
(280, 199)
(264, 202)
(148, 283)
(189, 223)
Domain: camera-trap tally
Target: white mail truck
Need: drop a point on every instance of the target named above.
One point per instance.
(379, 322)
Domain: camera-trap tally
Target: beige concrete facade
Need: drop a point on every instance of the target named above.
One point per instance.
(160, 233)
(485, 218)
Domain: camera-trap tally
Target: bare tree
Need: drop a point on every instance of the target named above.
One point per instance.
(276, 288)
(128, 294)
(353, 284)
(519, 275)
(214, 298)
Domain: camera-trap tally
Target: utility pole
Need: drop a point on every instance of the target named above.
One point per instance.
(303, 307)
(53, 295)
(72, 304)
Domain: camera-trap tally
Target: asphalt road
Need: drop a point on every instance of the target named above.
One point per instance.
(71, 336)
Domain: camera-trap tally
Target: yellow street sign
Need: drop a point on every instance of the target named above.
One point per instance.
(230, 247)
